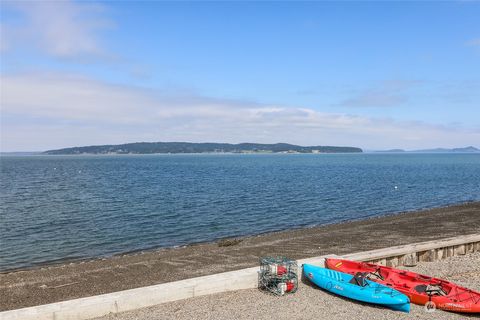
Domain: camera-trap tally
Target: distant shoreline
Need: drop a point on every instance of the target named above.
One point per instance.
(180, 154)
(30, 154)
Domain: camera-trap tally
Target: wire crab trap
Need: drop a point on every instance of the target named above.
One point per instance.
(278, 275)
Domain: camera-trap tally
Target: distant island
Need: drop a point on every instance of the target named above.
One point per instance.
(469, 149)
(188, 147)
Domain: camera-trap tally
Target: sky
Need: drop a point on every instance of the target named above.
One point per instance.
(375, 75)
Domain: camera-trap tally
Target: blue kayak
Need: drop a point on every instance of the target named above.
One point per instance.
(356, 287)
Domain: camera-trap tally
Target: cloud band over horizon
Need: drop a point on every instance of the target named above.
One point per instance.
(48, 111)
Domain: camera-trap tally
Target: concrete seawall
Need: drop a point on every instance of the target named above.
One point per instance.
(409, 255)
(96, 306)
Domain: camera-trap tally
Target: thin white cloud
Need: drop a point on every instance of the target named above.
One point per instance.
(386, 94)
(474, 42)
(375, 99)
(65, 29)
(49, 111)
(4, 45)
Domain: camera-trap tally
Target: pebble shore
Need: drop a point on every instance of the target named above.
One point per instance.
(310, 302)
(70, 280)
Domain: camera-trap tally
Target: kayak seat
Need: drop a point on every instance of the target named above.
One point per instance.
(430, 290)
(377, 275)
(359, 279)
(420, 288)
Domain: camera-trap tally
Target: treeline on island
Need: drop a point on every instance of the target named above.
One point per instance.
(187, 147)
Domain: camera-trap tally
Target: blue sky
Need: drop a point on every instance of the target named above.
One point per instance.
(370, 74)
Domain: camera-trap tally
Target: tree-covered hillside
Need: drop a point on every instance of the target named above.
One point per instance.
(187, 147)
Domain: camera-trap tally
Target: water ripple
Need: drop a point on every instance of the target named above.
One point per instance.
(56, 207)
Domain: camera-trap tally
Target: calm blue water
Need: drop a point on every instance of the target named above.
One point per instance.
(60, 207)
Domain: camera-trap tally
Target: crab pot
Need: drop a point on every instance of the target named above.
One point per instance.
(278, 275)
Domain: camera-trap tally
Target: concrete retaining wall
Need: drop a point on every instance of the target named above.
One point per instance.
(411, 254)
(96, 306)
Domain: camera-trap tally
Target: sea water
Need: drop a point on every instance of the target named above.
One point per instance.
(66, 207)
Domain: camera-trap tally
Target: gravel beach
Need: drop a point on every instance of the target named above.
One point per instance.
(69, 280)
(310, 302)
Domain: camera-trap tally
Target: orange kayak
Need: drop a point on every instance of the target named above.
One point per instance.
(421, 289)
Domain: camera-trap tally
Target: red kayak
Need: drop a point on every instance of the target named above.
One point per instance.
(420, 289)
